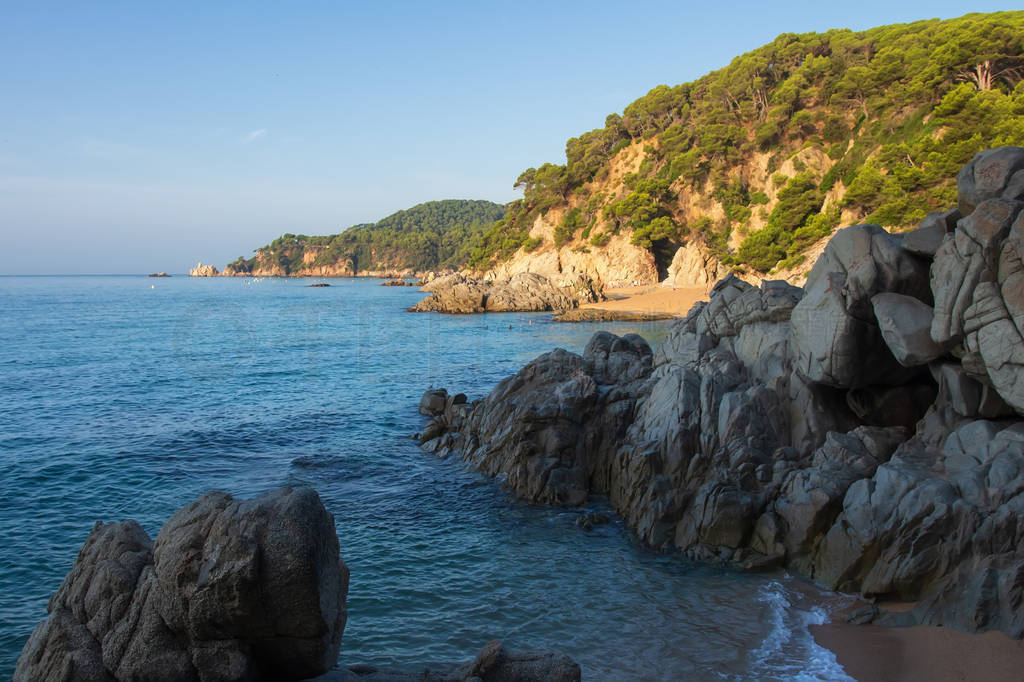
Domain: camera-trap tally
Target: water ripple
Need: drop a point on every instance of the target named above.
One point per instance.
(128, 402)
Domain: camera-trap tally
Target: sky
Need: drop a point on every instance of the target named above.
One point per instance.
(140, 136)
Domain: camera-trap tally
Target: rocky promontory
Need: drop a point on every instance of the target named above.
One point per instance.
(231, 590)
(201, 270)
(866, 430)
(524, 292)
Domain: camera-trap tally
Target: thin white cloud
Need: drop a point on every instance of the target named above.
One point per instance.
(254, 135)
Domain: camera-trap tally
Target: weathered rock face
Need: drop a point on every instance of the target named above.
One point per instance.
(836, 339)
(555, 425)
(905, 324)
(524, 292)
(694, 265)
(231, 590)
(848, 430)
(201, 270)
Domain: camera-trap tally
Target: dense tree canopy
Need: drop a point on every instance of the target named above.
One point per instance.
(432, 235)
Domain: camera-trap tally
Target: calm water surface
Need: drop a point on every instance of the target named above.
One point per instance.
(127, 397)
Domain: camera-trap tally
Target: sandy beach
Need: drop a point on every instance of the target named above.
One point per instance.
(652, 299)
(874, 653)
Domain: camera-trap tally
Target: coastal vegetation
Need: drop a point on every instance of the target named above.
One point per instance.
(432, 235)
(768, 155)
(755, 163)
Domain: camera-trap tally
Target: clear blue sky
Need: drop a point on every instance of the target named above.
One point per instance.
(136, 137)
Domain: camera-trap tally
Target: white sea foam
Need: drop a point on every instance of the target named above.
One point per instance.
(788, 651)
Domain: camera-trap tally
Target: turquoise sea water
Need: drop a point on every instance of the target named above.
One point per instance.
(127, 397)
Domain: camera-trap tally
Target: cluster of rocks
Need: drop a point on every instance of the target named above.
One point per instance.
(231, 590)
(523, 292)
(397, 282)
(201, 270)
(865, 430)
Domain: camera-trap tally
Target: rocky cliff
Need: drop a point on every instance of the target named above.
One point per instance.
(866, 430)
(751, 168)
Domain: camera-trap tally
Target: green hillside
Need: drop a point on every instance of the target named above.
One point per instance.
(891, 113)
(432, 235)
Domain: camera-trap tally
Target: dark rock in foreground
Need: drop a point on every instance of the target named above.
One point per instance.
(866, 431)
(231, 590)
(525, 292)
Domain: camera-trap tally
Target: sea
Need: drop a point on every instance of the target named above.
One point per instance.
(126, 397)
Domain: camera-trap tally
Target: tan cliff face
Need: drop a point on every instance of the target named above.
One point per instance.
(688, 263)
(618, 263)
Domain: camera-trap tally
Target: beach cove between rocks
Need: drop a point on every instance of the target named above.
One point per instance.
(864, 431)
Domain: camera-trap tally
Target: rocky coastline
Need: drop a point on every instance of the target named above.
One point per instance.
(230, 590)
(865, 430)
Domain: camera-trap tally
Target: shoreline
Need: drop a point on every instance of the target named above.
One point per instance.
(651, 300)
(883, 653)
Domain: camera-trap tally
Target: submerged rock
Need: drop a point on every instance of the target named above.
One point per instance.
(494, 662)
(601, 315)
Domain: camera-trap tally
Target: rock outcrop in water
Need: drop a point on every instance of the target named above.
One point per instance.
(201, 270)
(865, 430)
(231, 590)
(524, 292)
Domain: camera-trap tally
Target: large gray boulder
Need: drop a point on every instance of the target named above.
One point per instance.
(231, 590)
(905, 323)
(927, 238)
(994, 323)
(968, 257)
(552, 427)
(990, 174)
(835, 335)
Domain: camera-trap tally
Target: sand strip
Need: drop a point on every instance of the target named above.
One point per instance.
(874, 653)
(652, 299)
